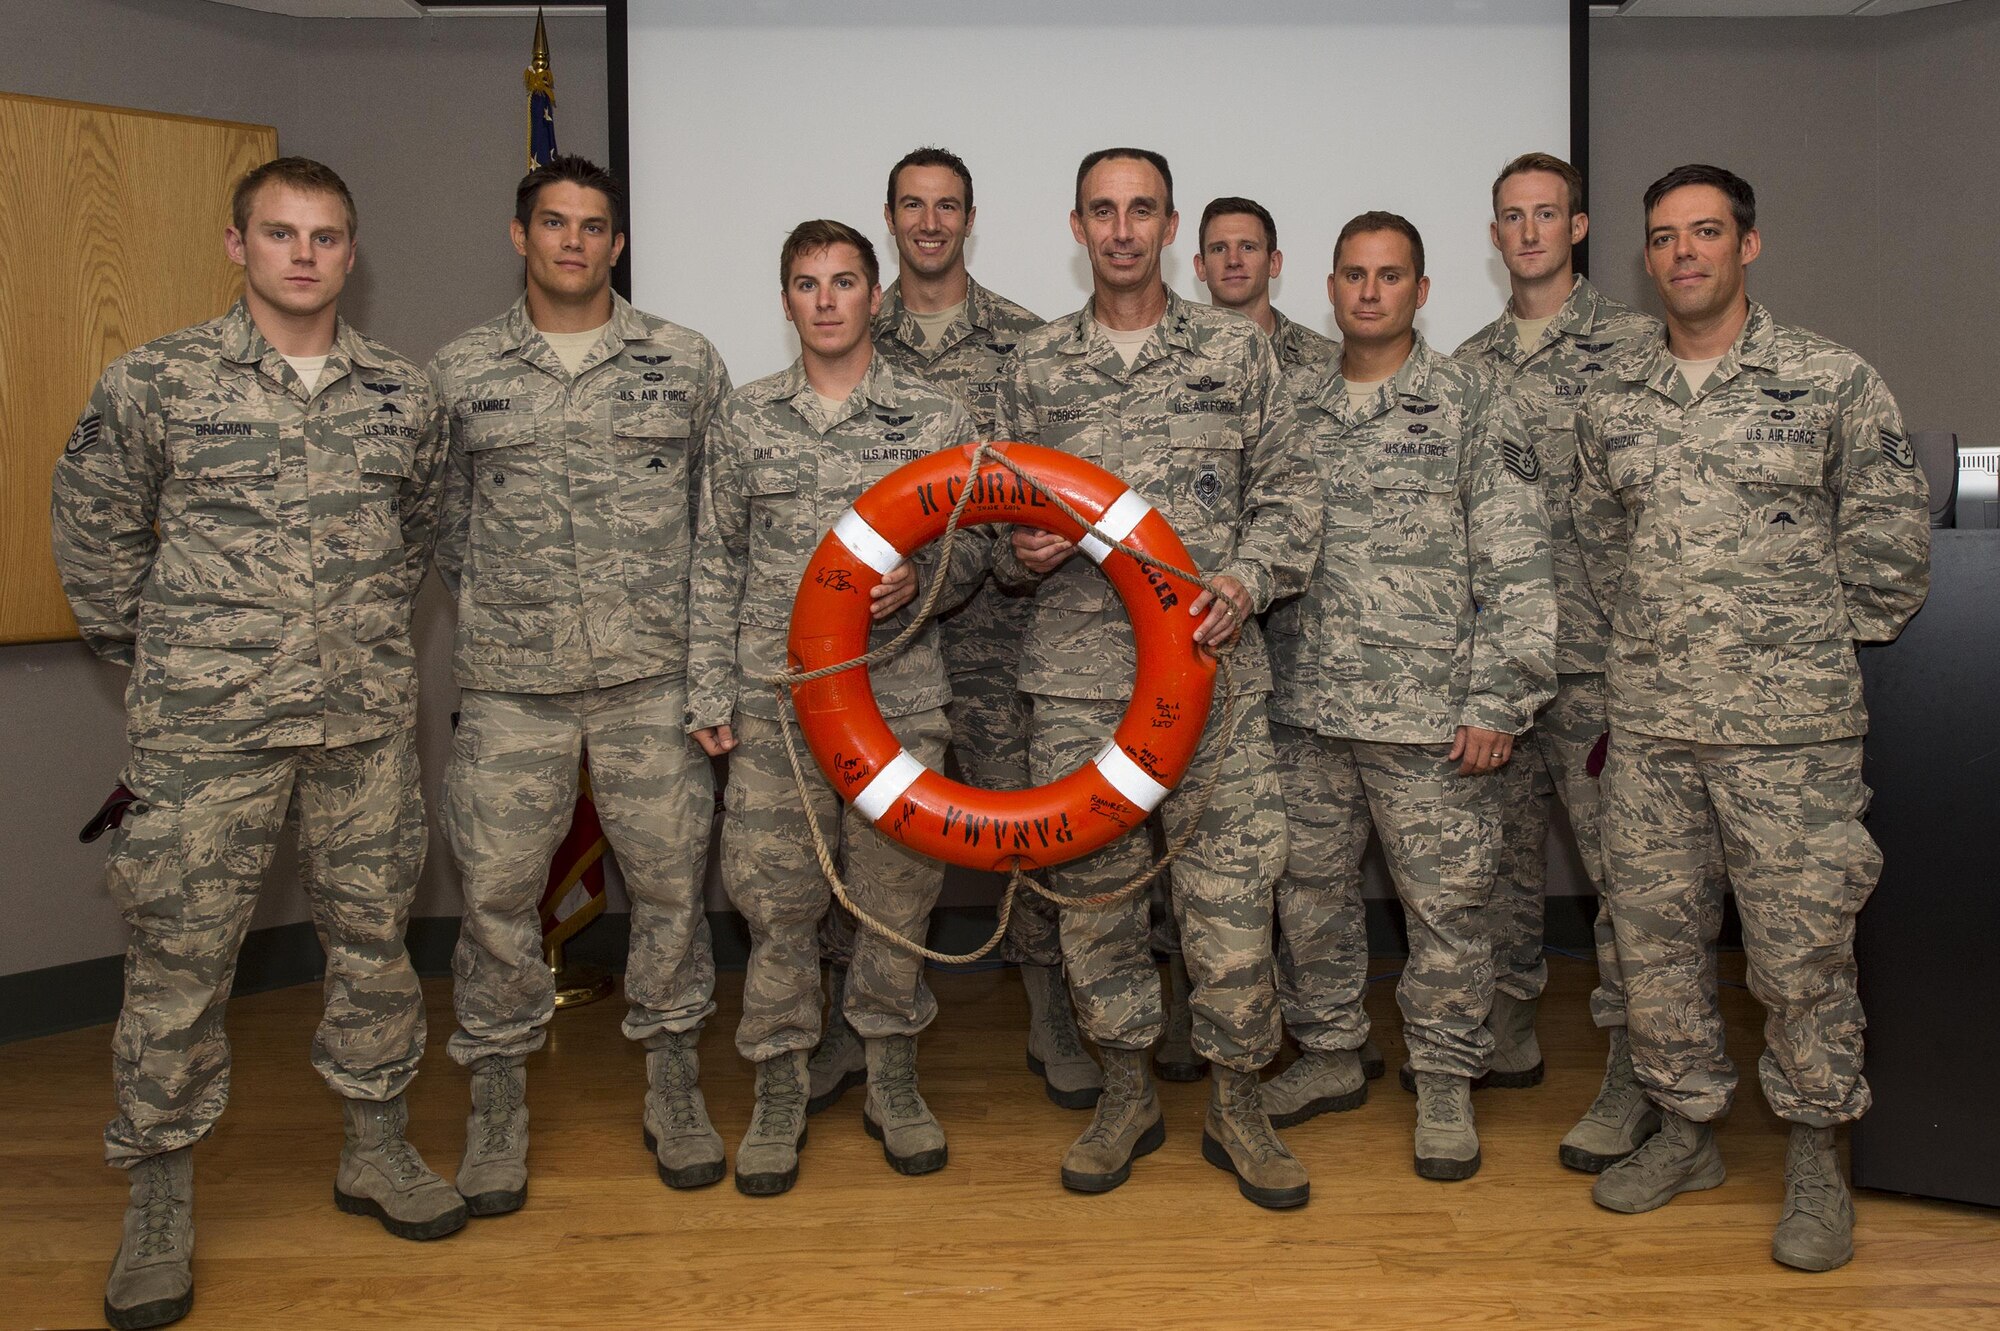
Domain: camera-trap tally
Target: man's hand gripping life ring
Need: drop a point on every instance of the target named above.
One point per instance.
(1000, 829)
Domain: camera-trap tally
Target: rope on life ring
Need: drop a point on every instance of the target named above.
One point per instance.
(996, 487)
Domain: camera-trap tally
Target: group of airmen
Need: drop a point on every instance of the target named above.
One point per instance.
(1587, 557)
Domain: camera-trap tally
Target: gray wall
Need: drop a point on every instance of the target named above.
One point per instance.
(425, 118)
(1869, 142)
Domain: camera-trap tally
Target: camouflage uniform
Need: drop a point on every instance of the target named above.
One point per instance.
(1432, 608)
(1200, 428)
(1549, 379)
(568, 521)
(1743, 539)
(252, 552)
(1300, 348)
(781, 471)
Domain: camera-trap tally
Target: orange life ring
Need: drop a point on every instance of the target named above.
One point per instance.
(948, 820)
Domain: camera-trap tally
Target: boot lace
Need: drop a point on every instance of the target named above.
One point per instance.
(159, 1232)
(1441, 1108)
(677, 1091)
(1062, 1029)
(1123, 1085)
(779, 1099)
(1812, 1186)
(500, 1100)
(898, 1085)
(1246, 1113)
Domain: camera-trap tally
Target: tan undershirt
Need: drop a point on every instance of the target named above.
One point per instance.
(1360, 395)
(1530, 330)
(308, 369)
(1129, 341)
(935, 324)
(1697, 372)
(572, 348)
(833, 405)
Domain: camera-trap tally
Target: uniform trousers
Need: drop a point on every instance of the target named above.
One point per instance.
(1802, 866)
(185, 869)
(1440, 834)
(509, 794)
(1222, 890)
(774, 879)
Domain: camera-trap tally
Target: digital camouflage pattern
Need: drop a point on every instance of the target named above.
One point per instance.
(1744, 538)
(981, 639)
(968, 355)
(569, 524)
(780, 473)
(570, 502)
(1201, 428)
(774, 878)
(509, 795)
(1431, 606)
(1802, 866)
(1548, 381)
(185, 868)
(252, 552)
(1221, 891)
(1300, 348)
(1440, 835)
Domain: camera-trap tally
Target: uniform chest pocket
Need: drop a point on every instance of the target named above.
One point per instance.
(1414, 510)
(518, 529)
(1786, 511)
(1205, 469)
(1631, 462)
(650, 443)
(386, 465)
(226, 472)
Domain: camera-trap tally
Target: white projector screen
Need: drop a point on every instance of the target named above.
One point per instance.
(749, 116)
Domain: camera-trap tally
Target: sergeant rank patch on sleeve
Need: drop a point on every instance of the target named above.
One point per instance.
(1521, 459)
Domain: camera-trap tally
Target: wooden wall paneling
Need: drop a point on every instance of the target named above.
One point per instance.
(111, 227)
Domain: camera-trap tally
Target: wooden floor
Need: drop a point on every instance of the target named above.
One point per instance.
(993, 1240)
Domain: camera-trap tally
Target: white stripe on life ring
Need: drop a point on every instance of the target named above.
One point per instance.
(868, 545)
(889, 785)
(1129, 779)
(1126, 512)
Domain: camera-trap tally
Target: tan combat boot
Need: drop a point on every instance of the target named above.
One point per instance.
(1816, 1232)
(767, 1162)
(1238, 1137)
(1681, 1157)
(838, 1061)
(1373, 1065)
(896, 1115)
(1517, 1054)
(493, 1176)
(1318, 1082)
(1055, 1047)
(1447, 1144)
(382, 1175)
(687, 1150)
(1174, 1058)
(152, 1278)
(1618, 1121)
(1127, 1125)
